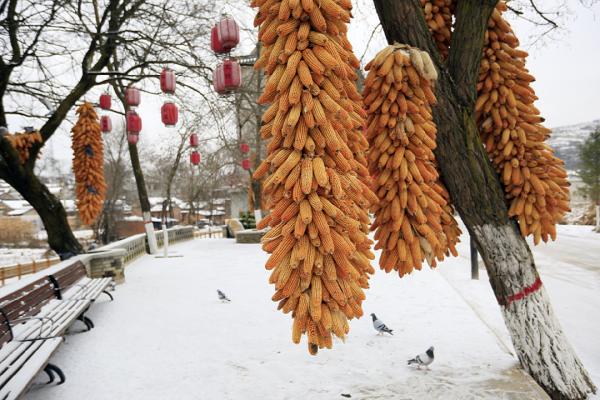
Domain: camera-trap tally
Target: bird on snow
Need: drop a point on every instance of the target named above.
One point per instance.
(380, 326)
(222, 296)
(423, 359)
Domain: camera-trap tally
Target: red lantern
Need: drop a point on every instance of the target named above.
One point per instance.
(132, 96)
(105, 101)
(246, 164)
(228, 33)
(105, 124)
(215, 45)
(217, 83)
(194, 140)
(227, 77)
(132, 138)
(244, 147)
(167, 81)
(134, 123)
(169, 114)
(195, 157)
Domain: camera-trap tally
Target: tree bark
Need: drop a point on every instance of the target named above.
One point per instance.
(139, 178)
(256, 184)
(172, 172)
(50, 210)
(143, 197)
(119, 88)
(476, 192)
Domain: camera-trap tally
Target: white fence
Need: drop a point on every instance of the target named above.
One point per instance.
(133, 247)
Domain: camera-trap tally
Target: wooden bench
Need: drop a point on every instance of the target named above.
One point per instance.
(34, 319)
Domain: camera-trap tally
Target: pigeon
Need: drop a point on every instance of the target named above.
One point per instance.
(222, 296)
(380, 326)
(423, 359)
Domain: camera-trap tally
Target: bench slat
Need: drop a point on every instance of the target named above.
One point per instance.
(35, 312)
(37, 358)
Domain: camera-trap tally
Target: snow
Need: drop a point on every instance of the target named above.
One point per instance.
(133, 218)
(566, 140)
(166, 335)
(79, 234)
(10, 256)
(570, 272)
(19, 212)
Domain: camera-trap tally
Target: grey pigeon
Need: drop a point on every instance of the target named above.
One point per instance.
(423, 359)
(379, 326)
(222, 296)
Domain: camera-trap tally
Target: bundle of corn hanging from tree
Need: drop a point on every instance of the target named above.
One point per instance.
(438, 16)
(88, 164)
(22, 143)
(535, 180)
(316, 189)
(414, 219)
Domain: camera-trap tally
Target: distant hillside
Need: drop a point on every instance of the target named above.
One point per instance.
(565, 141)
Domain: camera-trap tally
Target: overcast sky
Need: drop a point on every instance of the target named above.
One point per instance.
(567, 69)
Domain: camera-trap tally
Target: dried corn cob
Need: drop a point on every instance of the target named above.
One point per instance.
(511, 128)
(414, 219)
(22, 142)
(88, 164)
(315, 187)
(438, 15)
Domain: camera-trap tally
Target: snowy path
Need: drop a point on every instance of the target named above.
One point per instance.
(166, 336)
(570, 271)
(570, 268)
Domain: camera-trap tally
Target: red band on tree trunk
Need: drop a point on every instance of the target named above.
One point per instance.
(534, 287)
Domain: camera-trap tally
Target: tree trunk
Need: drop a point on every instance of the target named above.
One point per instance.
(50, 210)
(540, 343)
(143, 197)
(171, 176)
(256, 184)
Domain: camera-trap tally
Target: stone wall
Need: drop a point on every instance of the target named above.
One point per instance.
(107, 264)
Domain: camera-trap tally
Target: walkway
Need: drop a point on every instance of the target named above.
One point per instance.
(166, 336)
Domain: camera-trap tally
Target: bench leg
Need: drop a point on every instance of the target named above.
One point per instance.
(108, 294)
(89, 324)
(50, 370)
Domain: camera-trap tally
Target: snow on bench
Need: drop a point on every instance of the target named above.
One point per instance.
(33, 318)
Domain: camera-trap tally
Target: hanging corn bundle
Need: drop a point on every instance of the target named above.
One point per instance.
(88, 164)
(356, 139)
(438, 16)
(511, 128)
(22, 143)
(315, 189)
(414, 219)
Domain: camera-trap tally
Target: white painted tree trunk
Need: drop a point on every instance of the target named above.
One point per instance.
(540, 343)
(165, 240)
(597, 218)
(257, 216)
(152, 244)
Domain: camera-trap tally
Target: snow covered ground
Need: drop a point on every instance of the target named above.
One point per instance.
(80, 234)
(10, 256)
(570, 271)
(166, 336)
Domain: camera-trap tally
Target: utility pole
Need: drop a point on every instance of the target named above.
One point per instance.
(474, 260)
